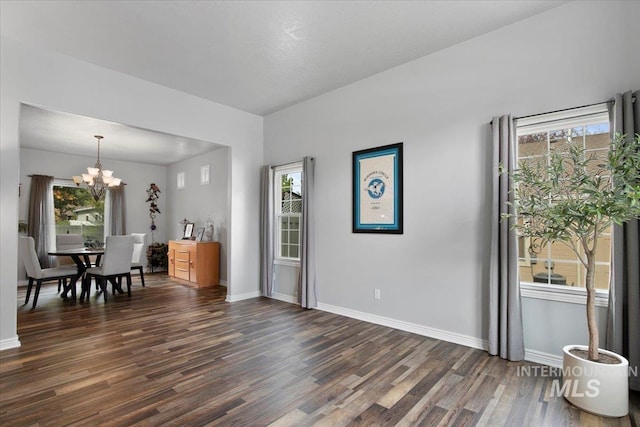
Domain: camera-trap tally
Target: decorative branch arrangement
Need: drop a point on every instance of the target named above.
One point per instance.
(153, 196)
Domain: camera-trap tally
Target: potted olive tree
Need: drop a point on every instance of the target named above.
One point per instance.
(572, 197)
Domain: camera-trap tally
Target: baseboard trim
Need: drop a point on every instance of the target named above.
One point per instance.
(240, 297)
(426, 331)
(453, 337)
(9, 343)
(285, 298)
(543, 358)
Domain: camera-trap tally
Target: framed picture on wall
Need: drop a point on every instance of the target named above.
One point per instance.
(188, 230)
(377, 190)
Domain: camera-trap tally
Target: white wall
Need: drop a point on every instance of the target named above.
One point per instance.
(550, 325)
(196, 201)
(434, 276)
(61, 83)
(285, 282)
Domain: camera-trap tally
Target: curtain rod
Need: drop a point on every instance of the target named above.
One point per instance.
(610, 101)
(61, 179)
(67, 179)
(286, 164)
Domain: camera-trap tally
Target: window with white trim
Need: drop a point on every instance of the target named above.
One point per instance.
(288, 211)
(555, 267)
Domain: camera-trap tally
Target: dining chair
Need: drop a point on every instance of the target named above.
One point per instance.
(116, 263)
(38, 274)
(67, 241)
(139, 243)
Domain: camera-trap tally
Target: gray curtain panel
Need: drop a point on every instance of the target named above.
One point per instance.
(307, 279)
(40, 217)
(266, 231)
(117, 211)
(505, 310)
(623, 320)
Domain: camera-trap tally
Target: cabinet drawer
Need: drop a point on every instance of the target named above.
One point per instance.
(182, 255)
(182, 269)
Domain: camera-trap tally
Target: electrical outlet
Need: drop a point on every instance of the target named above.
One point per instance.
(376, 293)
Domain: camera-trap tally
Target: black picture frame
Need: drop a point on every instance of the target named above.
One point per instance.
(378, 190)
(188, 230)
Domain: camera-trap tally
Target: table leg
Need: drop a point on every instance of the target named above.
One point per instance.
(72, 283)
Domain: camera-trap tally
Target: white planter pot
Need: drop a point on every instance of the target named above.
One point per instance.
(599, 388)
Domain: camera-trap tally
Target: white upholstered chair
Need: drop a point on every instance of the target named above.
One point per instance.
(139, 253)
(116, 263)
(67, 241)
(38, 274)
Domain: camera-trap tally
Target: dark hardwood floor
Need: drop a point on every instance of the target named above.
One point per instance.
(175, 355)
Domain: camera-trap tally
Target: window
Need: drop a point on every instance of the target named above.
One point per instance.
(288, 206)
(556, 266)
(76, 212)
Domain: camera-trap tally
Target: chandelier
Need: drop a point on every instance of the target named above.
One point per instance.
(96, 178)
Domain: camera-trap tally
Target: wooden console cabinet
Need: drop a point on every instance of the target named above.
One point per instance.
(196, 262)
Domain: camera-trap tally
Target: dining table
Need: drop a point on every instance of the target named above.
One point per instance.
(82, 258)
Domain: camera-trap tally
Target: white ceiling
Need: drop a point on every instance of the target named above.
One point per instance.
(48, 130)
(257, 56)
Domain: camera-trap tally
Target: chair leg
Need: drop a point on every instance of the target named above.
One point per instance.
(64, 288)
(141, 275)
(88, 285)
(72, 286)
(29, 290)
(116, 284)
(35, 296)
(129, 284)
(103, 286)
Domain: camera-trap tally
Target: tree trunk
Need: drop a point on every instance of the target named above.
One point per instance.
(592, 324)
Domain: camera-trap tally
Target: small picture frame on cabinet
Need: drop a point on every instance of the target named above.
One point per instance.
(188, 231)
(199, 234)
